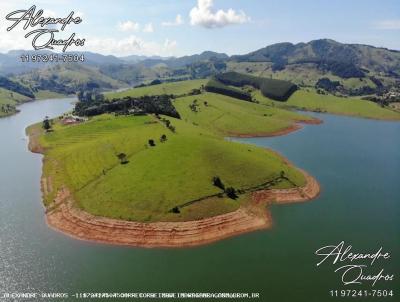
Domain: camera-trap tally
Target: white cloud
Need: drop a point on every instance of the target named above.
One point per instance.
(148, 28)
(169, 45)
(135, 27)
(128, 26)
(13, 39)
(128, 46)
(79, 14)
(178, 21)
(388, 24)
(48, 13)
(204, 15)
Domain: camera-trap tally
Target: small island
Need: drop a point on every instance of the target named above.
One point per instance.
(152, 166)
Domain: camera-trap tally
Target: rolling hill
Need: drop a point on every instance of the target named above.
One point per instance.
(360, 69)
(68, 78)
(328, 66)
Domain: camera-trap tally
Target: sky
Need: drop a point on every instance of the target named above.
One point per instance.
(185, 27)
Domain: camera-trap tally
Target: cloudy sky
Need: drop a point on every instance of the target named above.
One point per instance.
(181, 27)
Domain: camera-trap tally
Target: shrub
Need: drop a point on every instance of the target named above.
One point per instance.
(176, 210)
(122, 158)
(218, 182)
(231, 193)
(327, 84)
(46, 124)
(151, 143)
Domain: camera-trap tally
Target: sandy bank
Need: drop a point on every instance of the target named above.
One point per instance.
(292, 128)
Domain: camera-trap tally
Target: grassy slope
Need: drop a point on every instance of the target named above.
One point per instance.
(11, 98)
(155, 179)
(309, 100)
(228, 116)
(224, 115)
(176, 88)
(46, 94)
(304, 74)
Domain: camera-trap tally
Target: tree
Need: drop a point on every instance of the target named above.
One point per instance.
(152, 143)
(218, 182)
(46, 124)
(231, 192)
(163, 138)
(205, 103)
(122, 158)
(176, 210)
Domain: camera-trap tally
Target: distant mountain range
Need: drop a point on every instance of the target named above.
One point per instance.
(329, 54)
(349, 68)
(10, 62)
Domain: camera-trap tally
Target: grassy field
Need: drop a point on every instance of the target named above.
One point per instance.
(310, 100)
(176, 88)
(228, 116)
(155, 179)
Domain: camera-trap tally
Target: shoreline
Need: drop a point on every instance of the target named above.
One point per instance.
(35, 100)
(305, 110)
(64, 217)
(297, 125)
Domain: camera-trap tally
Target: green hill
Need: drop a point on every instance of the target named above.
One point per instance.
(156, 178)
(174, 88)
(344, 60)
(228, 116)
(360, 69)
(68, 78)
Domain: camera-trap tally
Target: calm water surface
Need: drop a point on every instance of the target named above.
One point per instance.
(357, 162)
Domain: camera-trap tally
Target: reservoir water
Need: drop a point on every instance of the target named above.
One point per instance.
(356, 161)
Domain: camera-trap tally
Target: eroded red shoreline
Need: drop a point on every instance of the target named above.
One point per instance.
(82, 225)
(292, 128)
